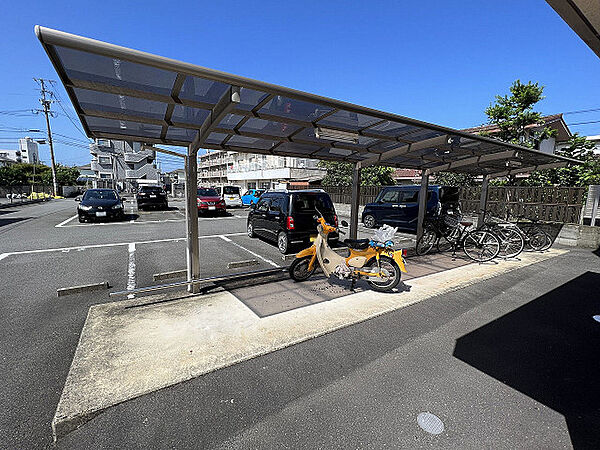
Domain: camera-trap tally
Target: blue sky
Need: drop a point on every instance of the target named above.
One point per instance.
(437, 61)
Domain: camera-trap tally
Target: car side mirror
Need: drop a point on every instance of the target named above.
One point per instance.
(344, 223)
(78, 198)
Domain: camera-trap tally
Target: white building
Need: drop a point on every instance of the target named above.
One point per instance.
(124, 163)
(252, 171)
(11, 156)
(596, 141)
(29, 151)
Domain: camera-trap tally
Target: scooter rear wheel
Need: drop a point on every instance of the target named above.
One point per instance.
(391, 281)
(299, 270)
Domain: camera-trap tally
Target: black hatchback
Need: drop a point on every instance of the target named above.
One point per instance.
(152, 197)
(287, 217)
(100, 204)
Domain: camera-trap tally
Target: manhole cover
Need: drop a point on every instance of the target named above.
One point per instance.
(430, 423)
(597, 318)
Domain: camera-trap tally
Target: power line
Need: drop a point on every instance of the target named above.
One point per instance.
(582, 111)
(60, 103)
(583, 123)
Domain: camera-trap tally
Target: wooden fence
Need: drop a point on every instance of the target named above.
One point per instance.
(550, 204)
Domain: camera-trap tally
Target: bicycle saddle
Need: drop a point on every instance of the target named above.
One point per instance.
(357, 244)
(466, 224)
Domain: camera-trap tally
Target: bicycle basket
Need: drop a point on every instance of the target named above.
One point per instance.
(451, 220)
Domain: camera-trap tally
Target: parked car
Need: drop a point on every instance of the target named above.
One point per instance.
(398, 206)
(152, 196)
(251, 196)
(209, 200)
(231, 195)
(99, 204)
(288, 217)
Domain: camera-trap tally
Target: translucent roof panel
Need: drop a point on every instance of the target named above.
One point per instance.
(84, 66)
(123, 93)
(202, 90)
(123, 127)
(120, 104)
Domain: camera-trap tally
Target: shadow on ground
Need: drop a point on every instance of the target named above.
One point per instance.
(8, 221)
(549, 350)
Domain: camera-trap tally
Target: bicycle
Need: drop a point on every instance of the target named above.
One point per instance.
(535, 237)
(477, 244)
(511, 237)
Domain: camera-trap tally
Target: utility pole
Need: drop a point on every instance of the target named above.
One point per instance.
(46, 110)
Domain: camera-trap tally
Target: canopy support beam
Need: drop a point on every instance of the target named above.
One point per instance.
(474, 160)
(438, 141)
(554, 165)
(422, 203)
(355, 202)
(483, 200)
(191, 218)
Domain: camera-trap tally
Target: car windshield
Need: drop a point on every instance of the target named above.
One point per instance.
(208, 192)
(100, 195)
(231, 190)
(311, 202)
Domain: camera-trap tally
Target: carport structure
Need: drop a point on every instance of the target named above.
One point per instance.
(120, 93)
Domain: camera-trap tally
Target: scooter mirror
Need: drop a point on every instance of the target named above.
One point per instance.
(316, 217)
(344, 223)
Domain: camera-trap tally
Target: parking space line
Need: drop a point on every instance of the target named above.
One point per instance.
(115, 244)
(268, 261)
(64, 222)
(131, 269)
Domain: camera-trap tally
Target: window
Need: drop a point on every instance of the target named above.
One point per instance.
(389, 196)
(263, 204)
(278, 204)
(409, 197)
(100, 194)
(231, 190)
(207, 192)
(312, 202)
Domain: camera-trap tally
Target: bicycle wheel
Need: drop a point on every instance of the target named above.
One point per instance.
(538, 239)
(481, 245)
(511, 242)
(447, 241)
(425, 242)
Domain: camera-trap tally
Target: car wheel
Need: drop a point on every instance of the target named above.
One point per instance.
(369, 221)
(81, 219)
(283, 243)
(250, 230)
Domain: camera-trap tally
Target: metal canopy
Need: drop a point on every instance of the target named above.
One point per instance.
(120, 93)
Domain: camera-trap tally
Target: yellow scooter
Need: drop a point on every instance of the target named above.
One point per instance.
(374, 260)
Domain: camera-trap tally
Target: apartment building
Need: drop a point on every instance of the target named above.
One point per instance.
(124, 163)
(252, 171)
(29, 151)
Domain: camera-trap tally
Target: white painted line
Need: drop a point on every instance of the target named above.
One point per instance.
(62, 224)
(115, 244)
(131, 269)
(142, 222)
(268, 261)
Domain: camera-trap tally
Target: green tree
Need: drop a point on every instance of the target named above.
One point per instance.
(514, 115)
(579, 175)
(340, 174)
(455, 179)
(22, 174)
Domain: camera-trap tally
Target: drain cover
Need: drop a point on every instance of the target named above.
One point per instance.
(597, 318)
(430, 423)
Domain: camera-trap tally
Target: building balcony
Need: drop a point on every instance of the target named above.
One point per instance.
(136, 157)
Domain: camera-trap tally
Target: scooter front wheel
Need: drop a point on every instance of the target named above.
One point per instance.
(299, 270)
(392, 274)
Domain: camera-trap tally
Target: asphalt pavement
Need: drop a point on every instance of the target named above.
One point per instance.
(506, 363)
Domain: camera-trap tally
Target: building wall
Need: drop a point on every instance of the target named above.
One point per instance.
(123, 162)
(13, 155)
(249, 170)
(29, 151)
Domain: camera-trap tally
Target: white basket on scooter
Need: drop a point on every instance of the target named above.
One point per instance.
(384, 235)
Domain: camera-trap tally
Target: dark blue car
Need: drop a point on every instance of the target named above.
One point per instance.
(398, 206)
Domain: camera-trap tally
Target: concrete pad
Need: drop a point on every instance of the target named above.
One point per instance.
(134, 347)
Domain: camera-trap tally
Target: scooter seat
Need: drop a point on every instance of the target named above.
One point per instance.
(357, 244)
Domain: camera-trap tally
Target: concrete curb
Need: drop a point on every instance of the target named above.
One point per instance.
(82, 288)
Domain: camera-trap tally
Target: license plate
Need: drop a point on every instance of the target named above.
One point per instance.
(231, 198)
(101, 214)
(313, 238)
(152, 196)
(212, 208)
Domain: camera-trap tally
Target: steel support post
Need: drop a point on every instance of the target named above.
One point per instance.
(191, 218)
(422, 203)
(483, 199)
(355, 202)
